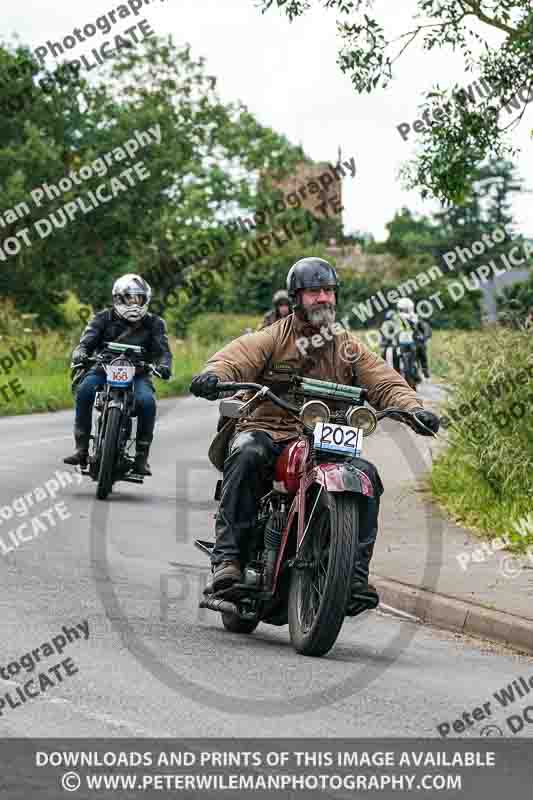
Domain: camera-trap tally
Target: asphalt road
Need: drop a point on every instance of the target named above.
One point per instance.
(153, 664)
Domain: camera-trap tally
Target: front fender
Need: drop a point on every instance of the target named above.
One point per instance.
(341, 478)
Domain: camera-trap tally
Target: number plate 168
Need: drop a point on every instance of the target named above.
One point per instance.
(338, 438)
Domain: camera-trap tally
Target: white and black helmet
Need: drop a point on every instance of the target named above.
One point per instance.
(405, 305)
(129, 286)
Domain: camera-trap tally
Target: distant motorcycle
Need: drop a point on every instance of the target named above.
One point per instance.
(112, 447)
(297, 560)
(400, 354)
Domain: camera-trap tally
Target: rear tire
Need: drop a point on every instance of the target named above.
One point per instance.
(109, 454)
(235, 624)
(319, 595)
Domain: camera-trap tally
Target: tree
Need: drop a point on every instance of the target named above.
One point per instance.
(409, 236)
(486, 212)
(515, 302)
(203, 169)
(460, 131)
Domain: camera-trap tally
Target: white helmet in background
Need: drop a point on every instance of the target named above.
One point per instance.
(131, 297)
(405, 305)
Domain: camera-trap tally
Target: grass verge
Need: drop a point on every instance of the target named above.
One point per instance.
(45, 381)
(484, 478)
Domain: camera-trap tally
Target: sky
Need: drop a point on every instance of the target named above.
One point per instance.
(287, 75)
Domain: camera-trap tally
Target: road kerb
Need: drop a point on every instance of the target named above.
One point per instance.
(453, 614)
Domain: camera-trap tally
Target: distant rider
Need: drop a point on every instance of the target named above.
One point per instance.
(265, 356)
(128, 322)
(404, 320)
(281, 308)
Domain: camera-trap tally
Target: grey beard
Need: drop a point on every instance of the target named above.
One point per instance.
(323, 314)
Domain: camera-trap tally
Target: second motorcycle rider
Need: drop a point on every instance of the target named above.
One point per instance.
(129, 322)
(267, 356)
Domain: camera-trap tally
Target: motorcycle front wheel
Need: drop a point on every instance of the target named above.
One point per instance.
(109, 453)
(320, 582)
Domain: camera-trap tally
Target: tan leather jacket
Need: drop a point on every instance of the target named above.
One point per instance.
(271, 354)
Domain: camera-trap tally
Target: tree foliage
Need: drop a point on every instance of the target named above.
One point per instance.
(469, 131)
(204, 170)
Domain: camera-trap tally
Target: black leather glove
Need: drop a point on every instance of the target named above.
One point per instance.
(205, 385)
(429, 420)
(164, 371)
(79, 358)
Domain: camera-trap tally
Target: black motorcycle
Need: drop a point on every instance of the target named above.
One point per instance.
(112, 446)
(402, 357)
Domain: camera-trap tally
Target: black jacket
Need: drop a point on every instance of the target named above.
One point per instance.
(107, 326)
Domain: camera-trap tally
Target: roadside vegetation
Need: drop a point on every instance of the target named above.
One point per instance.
(46, 380)
(484, 478)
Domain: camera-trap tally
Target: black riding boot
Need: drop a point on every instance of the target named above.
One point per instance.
(141, 465)
(81, 455)
(363, 595)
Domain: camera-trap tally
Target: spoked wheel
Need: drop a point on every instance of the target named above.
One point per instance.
(108, 453)
(320, 583)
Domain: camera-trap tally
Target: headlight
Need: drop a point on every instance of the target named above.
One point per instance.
(314, 411)
(362, 417)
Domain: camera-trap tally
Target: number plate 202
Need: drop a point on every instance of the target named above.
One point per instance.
(338, 439)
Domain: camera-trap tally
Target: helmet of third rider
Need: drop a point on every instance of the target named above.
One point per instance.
(131, 297)
(310, 273)
(280, 298)
(405, 305)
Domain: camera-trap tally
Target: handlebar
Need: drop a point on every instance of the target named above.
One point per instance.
(401, 415)
(223, 386)
(101, 359)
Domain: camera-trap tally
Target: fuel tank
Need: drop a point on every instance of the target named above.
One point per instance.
(289, 467)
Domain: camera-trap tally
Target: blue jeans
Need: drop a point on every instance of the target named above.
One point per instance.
(144, 404)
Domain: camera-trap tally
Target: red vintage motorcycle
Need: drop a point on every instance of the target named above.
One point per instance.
(297, 561)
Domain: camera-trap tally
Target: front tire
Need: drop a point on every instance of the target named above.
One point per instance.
(109, 453)
(319, 594)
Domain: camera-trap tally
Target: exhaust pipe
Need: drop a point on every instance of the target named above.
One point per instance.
(220, 605)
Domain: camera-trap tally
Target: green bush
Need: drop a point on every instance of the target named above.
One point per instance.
(12, 322)
(74, 314)
(208, 329)
(485, 476)
(46, 380)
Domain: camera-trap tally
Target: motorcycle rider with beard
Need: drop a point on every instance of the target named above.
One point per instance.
(270, 354)
(129, 322)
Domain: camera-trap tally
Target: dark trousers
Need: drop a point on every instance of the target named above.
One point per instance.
(422, 356)
(248, 475)
(144, 403)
